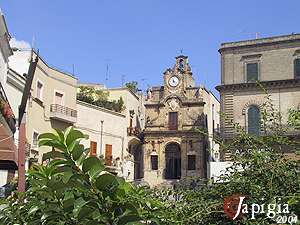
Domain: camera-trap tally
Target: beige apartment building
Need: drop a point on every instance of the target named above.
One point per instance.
(275, 62)
(52, 102)
(115, 136)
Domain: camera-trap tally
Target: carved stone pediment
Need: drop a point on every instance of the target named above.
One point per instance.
(173, 103)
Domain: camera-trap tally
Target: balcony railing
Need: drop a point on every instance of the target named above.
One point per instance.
(6, 111)
(133, 131)
(63, 113)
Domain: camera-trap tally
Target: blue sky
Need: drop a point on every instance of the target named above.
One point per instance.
(139, 39)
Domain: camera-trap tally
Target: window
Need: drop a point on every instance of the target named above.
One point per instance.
(216, 156)
(93, 148)
(297, 68)
(173, 120)
(191, 143)
(191, 162)
(58, 98)
(154, 162)
(252, 71)
(253, 120)
(35, 139)
(108, 155)
(39, 90)
(181, 64)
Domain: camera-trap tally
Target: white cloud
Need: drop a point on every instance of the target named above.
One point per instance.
(19, 61)
(14, 43)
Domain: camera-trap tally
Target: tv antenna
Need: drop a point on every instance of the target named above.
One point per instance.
(107, 71)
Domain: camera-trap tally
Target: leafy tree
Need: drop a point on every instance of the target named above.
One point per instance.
(74, 188)
(99, 98)
(294, 118)
(133, 86)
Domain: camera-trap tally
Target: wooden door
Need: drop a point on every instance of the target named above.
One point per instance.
(93, 148)
(108, 155)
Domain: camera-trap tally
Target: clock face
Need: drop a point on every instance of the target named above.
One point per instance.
(173, 81)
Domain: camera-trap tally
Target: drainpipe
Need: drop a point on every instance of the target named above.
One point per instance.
(122, 152)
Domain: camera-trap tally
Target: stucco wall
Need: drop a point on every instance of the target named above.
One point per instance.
(114, 127)
(212, 110)
(38, 113)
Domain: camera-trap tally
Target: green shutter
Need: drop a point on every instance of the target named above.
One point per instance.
(253, 120)
(252, 71)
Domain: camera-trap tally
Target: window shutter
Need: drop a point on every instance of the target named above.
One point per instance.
(253, 120)
(297, 68)
(108, 155)
(93, 148)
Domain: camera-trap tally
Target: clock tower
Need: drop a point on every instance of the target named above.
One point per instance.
(180, 77)
(173, 146)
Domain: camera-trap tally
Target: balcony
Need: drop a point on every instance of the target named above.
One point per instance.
(133, 131)
(63, 113)
(7, 115)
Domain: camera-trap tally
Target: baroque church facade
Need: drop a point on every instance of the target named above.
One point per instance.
(173, 146)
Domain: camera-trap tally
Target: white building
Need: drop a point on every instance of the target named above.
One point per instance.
(114, 135)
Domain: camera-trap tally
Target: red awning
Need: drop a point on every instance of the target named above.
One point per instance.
(8, 149)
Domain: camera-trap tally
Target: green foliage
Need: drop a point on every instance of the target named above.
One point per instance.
(294, 118)
(74, 188)
(99, 98)
(264, 176)
(133, 86)
(259, 171)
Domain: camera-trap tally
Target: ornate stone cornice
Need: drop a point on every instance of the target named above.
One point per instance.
(254, 86)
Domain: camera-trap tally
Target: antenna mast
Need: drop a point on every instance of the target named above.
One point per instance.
(106, 75)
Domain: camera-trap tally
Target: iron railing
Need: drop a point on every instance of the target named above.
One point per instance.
(133, 131)
(56, 108)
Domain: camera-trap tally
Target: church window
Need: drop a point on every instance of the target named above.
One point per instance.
(173, 120)
(191, 162)
(181, 64)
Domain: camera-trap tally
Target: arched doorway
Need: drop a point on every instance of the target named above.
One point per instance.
(173, 161)
(138, 162)
(136, 150)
